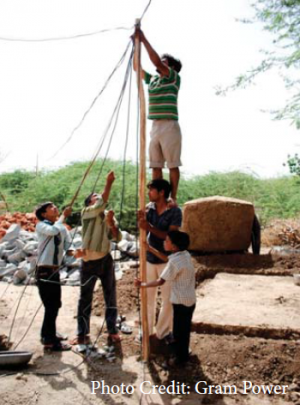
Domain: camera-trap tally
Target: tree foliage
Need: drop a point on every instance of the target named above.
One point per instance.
(15, 182)
(282, 19)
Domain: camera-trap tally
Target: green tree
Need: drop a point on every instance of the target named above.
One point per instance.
(282, 19)
(15, 182)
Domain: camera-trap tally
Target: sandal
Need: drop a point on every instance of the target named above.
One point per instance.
(58, 347)
(121, 318)
(80, 340)
(126, 329)
(61, 336)
(114, 338)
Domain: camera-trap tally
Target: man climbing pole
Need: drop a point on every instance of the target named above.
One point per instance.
(165, 142)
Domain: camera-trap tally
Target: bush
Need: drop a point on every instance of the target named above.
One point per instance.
(273, 198)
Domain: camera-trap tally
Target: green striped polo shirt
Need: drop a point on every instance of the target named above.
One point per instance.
(163, 94)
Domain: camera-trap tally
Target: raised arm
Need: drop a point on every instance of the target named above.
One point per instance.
(109, 182)
(55, 229)
(153, 55)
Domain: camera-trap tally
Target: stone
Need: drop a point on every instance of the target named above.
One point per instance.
(294, 396)
(218, 224)
(293, 387)
(19, 276)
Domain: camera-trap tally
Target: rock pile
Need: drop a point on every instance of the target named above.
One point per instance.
(18, 256)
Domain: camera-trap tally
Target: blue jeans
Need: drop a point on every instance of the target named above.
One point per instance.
(90, 272)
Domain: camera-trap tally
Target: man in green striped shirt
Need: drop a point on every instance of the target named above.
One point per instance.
(165, 142)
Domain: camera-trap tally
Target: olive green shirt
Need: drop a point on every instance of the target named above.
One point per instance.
(96, 235)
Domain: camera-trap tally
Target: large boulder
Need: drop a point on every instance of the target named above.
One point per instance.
(218, 224)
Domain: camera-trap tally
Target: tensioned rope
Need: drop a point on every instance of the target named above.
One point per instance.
(116, 115)
(75, 36)
(94, 101)
(73, 202)
(116, 110)
(104, 136)
(125, 151)
(64, 38)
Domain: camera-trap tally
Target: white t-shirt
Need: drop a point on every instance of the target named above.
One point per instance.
(180, 271)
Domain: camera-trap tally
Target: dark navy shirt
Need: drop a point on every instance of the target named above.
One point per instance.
(170, 217)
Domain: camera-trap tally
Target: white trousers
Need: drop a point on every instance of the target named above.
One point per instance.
(165, 318)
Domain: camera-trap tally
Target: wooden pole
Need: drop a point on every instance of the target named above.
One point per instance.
(142, 195)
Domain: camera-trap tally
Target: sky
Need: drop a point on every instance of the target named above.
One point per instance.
(47, 86)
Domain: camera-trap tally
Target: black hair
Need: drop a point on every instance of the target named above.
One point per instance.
(88, 199)
(160, 185)
(179, 239)
(172, 62)
(41, 209)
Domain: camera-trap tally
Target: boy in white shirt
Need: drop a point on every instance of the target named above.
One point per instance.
(181, 273)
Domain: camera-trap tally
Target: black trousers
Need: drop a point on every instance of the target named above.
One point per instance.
(182, 321)
(90, 272)
(50, 294)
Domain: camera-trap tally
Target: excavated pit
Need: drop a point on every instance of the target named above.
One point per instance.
(252, 305)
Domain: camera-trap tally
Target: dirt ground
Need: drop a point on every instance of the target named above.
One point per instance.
(218, 357)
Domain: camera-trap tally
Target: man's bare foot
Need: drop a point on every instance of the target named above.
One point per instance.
(172, 202)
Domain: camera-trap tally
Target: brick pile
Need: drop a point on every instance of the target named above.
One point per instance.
(26, 220)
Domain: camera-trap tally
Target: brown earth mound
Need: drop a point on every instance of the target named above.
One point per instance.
(218, 224)
(282, 232)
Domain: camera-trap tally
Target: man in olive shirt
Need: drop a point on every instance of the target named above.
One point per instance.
(98, 229)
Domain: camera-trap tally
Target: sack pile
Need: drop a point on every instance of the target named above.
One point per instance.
(19, 254)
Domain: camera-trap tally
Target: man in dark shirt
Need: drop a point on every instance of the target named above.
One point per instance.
(158, 220)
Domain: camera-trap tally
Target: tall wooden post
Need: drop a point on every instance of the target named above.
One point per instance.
(142, 194)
